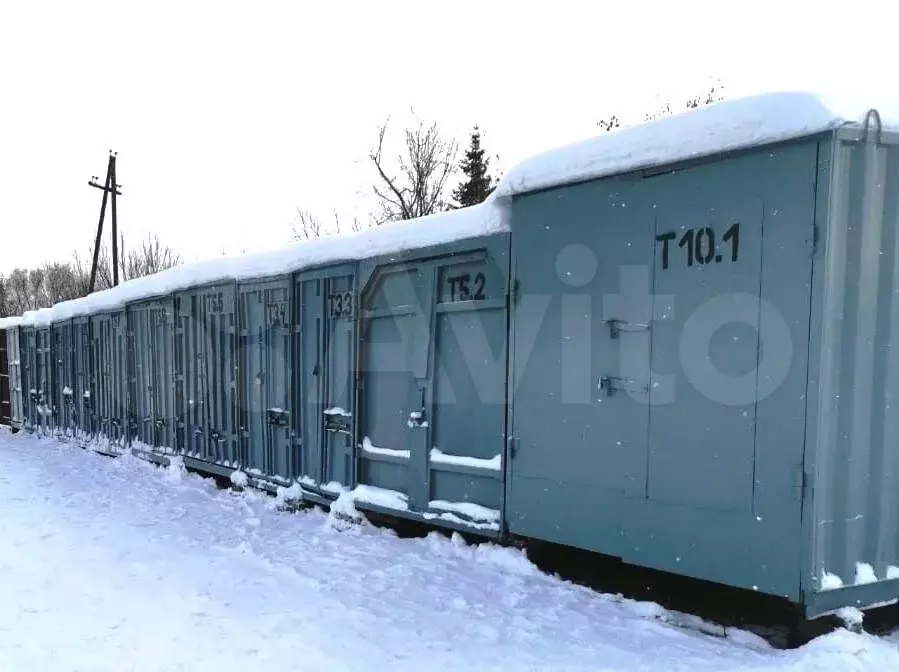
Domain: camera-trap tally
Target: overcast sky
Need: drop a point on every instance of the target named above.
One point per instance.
(227, 116)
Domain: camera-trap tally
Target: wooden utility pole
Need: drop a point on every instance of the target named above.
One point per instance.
(109, 187)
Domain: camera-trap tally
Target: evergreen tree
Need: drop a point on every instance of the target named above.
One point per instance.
(479, 184)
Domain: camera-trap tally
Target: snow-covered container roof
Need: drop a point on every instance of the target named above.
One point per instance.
(9, 322)
(385, 240)
(721, 127)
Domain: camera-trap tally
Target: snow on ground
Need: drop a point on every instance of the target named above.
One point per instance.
(118, 565)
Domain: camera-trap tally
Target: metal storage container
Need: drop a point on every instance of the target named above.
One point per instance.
(206, 376)
(14, 372)
(151, 331)
(701, 370)
(110, 365)
(266, 447)
(63, 388)
(325, 302)
(432, 393)
(82, 364)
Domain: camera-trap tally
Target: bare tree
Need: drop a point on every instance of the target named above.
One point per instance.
(307, 226)
(36, 297)
(425, 166)
(151, 257)
(4, 301)
(18, 290)
(713, 95)
(60, 284)
(609, 124)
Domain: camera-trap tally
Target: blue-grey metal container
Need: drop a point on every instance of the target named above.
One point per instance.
(433, 361)
(151, 333)
(84, 387)
(325, 313)
(14, 371)
(63, 388)
(110, 367)
(206, 375)
(700, 370)
(264, 349)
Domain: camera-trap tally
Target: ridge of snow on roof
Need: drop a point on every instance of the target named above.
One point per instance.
(394, 238)
(720, 127)
(9, 322)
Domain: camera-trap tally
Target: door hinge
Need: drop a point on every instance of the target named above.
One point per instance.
(515, 291)
(513, 446)
(802, 480)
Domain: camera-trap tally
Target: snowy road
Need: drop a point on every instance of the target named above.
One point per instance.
(116, 565)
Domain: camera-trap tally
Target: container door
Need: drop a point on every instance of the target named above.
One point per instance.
(265, 374)
(83, 402)
(433, 393)
(14, 354)
(63, 390)
(325, 309)
(396, 389)
(5, 411)
(28, 344)
(707, 283)
(207, 370)
(44, 377)
(580, 378)
(150, 327)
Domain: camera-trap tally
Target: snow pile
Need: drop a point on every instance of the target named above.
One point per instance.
(343, 514)
(721, 127)
(109, 565)
(371, 449)
(493, 464)
(239, 479)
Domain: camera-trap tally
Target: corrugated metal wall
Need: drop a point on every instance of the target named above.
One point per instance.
(324, 362)
(28, 343)
(44, 418)
(151, 366)
(84, 378)
(14, 368)
(264, 399)
(206, 374)
(109, 345)
(63, 389)
(853, 454)
(5, 412)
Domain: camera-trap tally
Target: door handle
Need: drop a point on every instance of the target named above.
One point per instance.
(612, 384)
(417, 419)
(616, 326)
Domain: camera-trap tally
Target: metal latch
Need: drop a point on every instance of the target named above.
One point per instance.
(616, 326)
(417, 419)
(277, 417)
(612, 384)
(335, 422)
